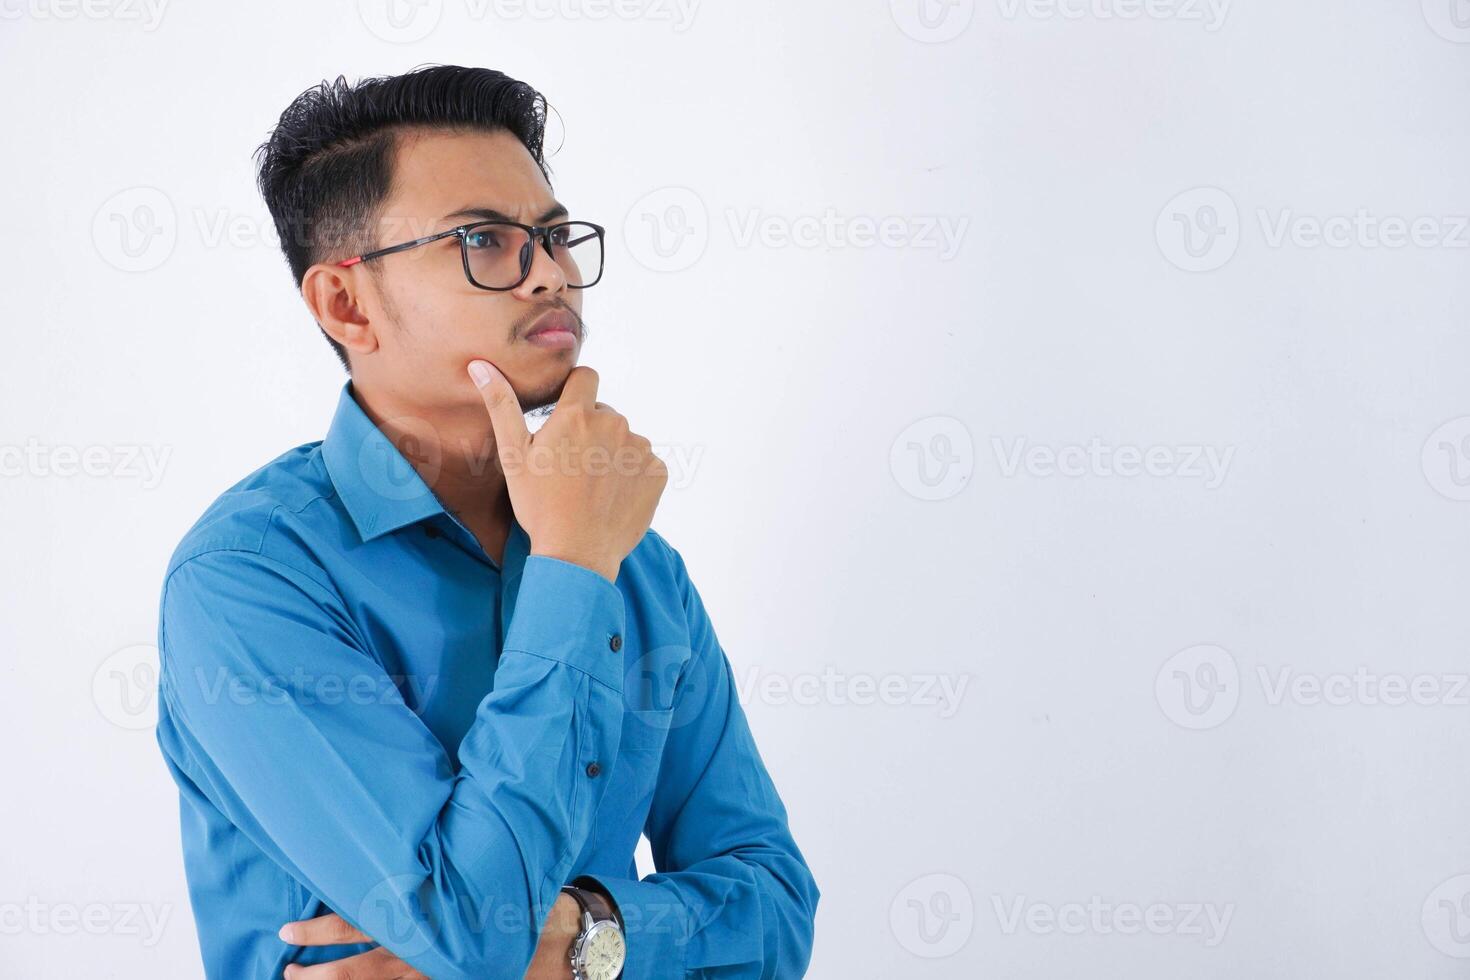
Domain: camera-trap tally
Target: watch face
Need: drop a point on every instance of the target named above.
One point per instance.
(602, 952)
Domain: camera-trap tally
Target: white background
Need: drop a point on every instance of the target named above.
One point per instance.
(1143, 650)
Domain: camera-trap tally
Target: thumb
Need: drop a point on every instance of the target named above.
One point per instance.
(506, 417)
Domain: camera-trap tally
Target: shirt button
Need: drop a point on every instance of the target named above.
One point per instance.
(431, 530)
(616, 642)
(594, 770)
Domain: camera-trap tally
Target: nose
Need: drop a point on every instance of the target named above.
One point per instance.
(546, 275)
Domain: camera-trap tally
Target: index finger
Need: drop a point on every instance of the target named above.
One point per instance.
(506, 417)
(324, 930)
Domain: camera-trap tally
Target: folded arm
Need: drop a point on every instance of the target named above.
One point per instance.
(733, 894)
(295, 731)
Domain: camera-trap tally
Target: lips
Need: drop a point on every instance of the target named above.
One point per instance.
(556, 320)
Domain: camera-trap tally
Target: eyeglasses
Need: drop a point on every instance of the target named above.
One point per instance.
(497, 255)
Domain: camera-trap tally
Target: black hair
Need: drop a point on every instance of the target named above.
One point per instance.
(327, 166)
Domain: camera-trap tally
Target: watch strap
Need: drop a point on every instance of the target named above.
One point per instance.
(593, 902)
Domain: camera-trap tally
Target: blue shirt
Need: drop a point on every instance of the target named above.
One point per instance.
(365, 715)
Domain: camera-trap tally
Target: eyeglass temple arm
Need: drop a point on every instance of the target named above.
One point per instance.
(348, 263)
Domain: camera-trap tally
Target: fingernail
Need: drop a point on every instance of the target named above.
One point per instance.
(287, 933)
(480, 373)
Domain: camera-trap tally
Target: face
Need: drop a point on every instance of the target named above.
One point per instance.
(412, 324)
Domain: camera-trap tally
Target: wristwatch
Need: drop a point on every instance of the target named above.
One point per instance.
(599, 949)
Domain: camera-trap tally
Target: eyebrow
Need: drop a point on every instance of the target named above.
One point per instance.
(557, 210)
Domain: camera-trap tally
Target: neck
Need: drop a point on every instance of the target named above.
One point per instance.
(453, 451)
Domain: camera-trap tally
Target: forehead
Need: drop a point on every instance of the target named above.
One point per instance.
(436, 173)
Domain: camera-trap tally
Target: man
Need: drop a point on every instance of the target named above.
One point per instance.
(425, 682)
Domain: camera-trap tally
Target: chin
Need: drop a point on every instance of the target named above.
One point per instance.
(542, 390)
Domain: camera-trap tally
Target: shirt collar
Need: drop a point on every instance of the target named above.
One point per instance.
(379, 487)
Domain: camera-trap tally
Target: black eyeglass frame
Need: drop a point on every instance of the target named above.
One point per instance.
(543, 232)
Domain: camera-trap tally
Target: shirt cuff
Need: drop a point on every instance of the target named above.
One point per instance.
(570, 614)
(657, 926)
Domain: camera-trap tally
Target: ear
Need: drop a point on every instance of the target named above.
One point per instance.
(341, 300)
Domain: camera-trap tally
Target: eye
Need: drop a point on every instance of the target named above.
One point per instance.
(482, 238)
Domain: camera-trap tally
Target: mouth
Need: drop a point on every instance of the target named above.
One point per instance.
(555, 330)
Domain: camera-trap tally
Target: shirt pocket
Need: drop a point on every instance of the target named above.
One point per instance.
(640, 754)
(649, 689)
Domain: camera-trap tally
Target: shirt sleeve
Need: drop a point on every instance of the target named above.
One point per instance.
(272, 701)
(732, 894)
